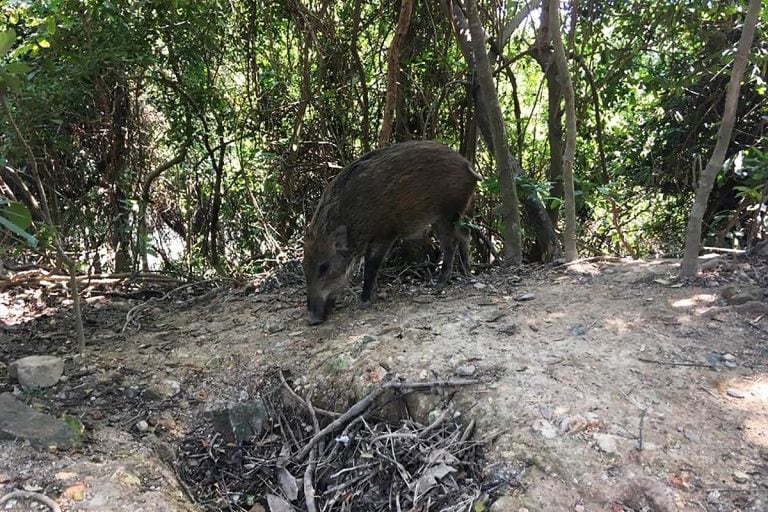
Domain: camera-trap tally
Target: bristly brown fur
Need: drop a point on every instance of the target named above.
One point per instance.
(388, 194)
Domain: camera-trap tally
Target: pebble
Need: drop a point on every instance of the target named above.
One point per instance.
(465, 370)
(713, 496)
(142, 426)
(480, 286)
(735, 393)
(740, 477)
(545, 429)
(525, 296)
(606, 443)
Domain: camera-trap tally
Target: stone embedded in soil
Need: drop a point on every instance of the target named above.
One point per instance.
(37, 371)
(19, 421)
(735, 393)
(740, 477)
(465, 370)
(606, 443)
(167, 388)
(546, 429)
(736, 295)
(239, 422)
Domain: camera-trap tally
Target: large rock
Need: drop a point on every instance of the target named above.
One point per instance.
(19, 421)
(37, 371)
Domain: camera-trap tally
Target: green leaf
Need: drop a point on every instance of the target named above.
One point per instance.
(18, 67)
(50, 25)
(7, 37)
(13, 228)
(74, 423)
(18, 214)
(44, 43)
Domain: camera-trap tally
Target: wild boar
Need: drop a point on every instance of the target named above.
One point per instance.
(388, 194)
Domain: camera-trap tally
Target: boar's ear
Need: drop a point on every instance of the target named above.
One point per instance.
(340, 239)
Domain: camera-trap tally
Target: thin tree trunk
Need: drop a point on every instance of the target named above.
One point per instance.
(569, 238)
(70, 262)
(539, 221)
(145, 199)
(393, 70)
(689, 265)
(510, 206)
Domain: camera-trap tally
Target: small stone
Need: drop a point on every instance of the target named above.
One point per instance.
(525, 296)
(571, 424)
(63, 476)
(713, 496)
(142, 426)
(546, 429)
(480, 286)
(692, 436)
(126, 478)
(503, 504)
(167, 388)
(75, 492)
(37, 371)
(465, 370)
(579, 508)
(740, 476)
(729, 357)
(606, 443)
(735, 393)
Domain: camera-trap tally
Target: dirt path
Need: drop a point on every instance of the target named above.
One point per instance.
(612, 385)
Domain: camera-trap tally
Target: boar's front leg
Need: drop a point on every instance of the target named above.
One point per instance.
(374, 255)
(448, 235)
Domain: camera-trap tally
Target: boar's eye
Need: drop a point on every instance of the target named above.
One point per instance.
(323, 269)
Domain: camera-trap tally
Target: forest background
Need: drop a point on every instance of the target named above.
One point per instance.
(195, 138)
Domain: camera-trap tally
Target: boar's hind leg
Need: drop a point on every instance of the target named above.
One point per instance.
(448, 235)
(374, 255)
(465, 261)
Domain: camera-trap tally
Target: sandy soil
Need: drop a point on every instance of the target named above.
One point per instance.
(616, 388)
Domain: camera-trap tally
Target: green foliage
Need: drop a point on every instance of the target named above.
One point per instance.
(267, 101)
(15, 218)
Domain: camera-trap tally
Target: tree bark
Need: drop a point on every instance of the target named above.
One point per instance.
(393, 70)
(510, 206)
(569, 237)
(689, 265)
(536, 213)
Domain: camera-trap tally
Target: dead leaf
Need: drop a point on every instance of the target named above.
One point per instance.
(430, 477)
(278, 504)
(288, 484)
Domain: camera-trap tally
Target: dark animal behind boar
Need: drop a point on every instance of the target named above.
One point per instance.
(388, 194)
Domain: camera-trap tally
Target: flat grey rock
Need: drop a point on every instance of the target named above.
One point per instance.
(18, 421)
(37, 371)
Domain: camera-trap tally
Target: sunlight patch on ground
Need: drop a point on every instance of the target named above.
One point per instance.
(702, 299)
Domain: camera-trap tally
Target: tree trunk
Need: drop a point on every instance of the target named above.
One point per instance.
(543, 53)
(393, 70)
(689, 265)
(569, 238)
(536, 214)
(510, 206)
(143, 231)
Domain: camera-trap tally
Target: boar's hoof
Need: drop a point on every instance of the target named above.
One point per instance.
(313, 320)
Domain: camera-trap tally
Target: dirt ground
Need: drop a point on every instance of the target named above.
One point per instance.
(617, 388)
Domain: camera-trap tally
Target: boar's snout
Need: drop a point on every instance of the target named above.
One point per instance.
(318, 308)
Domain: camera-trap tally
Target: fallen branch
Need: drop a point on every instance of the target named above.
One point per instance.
(360, 407)
(27, 495)
(673, 363)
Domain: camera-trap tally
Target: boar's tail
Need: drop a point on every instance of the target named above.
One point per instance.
(474, 174)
